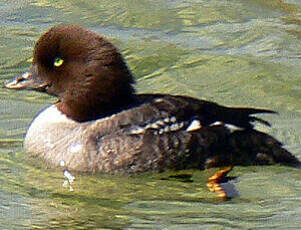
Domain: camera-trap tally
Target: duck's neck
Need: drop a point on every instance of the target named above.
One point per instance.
(91, 108)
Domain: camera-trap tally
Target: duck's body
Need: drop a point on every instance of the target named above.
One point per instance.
(99, 124)
(157, 133)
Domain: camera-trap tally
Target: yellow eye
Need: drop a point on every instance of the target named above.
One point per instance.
(58, 62)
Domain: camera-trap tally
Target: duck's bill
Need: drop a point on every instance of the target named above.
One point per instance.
(26, 81)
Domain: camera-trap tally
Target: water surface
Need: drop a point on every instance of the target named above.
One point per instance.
(245, 52)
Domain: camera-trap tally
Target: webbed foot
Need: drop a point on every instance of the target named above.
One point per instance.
(214, 182)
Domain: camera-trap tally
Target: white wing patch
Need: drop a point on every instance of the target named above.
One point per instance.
(137, 130)
(233, 128)
(217, 123)
(168, 124)
(230, 127)
(194, 125)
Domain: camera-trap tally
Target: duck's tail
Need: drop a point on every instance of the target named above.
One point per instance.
(242, 117)
(241, 147)
(261, 148)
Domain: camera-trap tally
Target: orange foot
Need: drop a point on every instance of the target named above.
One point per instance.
(215, 180)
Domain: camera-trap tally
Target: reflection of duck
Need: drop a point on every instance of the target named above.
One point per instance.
(99, 124)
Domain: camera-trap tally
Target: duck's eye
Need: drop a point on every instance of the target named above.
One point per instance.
(58, 62)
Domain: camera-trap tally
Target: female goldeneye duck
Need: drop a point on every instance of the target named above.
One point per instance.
(100, 125)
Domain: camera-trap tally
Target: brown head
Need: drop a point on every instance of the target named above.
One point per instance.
(83, 69)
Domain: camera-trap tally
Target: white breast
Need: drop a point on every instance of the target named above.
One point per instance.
(47, 129)
(51, 115)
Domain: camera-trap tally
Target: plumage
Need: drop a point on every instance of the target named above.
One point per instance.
(100, 124)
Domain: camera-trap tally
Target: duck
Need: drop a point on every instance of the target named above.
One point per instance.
(101, 125)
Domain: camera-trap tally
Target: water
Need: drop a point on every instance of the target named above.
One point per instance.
(245, 52)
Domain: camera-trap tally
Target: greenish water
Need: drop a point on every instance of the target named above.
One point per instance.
(245, 52)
